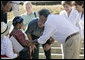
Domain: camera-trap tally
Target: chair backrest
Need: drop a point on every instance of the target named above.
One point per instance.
(16, 45)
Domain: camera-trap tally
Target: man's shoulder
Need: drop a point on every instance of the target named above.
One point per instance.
(33, 22)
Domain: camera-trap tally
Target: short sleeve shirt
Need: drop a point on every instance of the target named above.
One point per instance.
(27, 18)
(34, 29)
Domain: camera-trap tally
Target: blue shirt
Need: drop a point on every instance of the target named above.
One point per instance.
(34, 29)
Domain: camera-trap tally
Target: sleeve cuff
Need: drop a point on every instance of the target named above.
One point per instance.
(40, 42)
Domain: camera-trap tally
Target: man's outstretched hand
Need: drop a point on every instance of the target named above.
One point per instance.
(35, 42)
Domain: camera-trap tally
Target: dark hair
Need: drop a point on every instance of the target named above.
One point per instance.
(79, 3)
(17, 20)
(5, 2)
(67, 2)
(44, 12)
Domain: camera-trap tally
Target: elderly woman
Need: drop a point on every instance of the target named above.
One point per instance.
(18, 34)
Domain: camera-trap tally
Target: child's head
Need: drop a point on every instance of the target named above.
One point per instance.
(28, 6)
(17, 22)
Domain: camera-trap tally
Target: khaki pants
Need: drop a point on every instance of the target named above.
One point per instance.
(72, 47)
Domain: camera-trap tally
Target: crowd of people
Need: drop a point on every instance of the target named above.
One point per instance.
(41, 27)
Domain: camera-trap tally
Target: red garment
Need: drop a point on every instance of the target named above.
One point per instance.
(19, 36)
(3, 56)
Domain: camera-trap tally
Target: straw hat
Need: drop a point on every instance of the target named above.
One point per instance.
(4, 28)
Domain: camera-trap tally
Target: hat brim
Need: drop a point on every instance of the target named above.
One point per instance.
(7, 31)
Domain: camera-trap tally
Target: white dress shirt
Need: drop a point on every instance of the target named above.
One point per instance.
(58, 28)
(6, 48)
(73, 17)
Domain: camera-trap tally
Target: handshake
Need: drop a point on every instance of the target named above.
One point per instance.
(32, 45)
(34, 42)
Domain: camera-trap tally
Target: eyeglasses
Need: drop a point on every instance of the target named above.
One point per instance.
(18, 20)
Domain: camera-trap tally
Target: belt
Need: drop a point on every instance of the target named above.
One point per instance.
(71, 36)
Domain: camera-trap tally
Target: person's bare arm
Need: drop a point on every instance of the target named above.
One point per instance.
(51, 40)
(29, 37)
(48, 45)
(33, 47)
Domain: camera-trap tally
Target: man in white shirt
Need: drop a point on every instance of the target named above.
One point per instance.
(61, 30)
